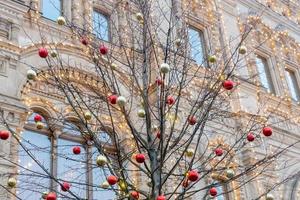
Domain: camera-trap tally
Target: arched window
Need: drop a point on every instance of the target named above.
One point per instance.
(56, 157)
(101, 25)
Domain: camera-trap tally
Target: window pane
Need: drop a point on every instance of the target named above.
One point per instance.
(220, 193)
(264, 74)
(196, 43)
(99, 176)
(100, 26)
(292, 83)
(32, 183)
(72, 168)
(104, 138)
(71, 128)
(51, 9)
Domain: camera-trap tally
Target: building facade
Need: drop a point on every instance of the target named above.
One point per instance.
(270, 79)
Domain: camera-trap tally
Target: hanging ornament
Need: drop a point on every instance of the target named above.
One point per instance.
(269, 197)
(139, 17)
(44, 195)
(178, 42)
(250, 137)
(190, 152)
(213, 192)
(212, 59)
(135, 195)
(243, 50)
(112, 99)
(193, 176)
(61, 21)
(101, 160)
(112, 180)
(219, 152)
(141, 113)
(121, 101)
(39, 125)
(158, 134)
(140, 158)
(84, 40)
(164, 68)
(158, 81)
(65, 186)
(76, 150)
(192, 120)
(267, 131)
(53, 54)
(161, 197)
(228, 84)
(230, 173)
(51, 196)
(170, 100)
(31, 75)
(122, 185)
(87, 115)
(12, 182)
(4, 135)
(38, 118)
(43, 52)
(103, 49)
(105, 185)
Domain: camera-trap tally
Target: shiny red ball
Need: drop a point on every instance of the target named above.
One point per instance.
(158, 134)
(38, 118)
(135, 195)
(158, 81)
(43, 52)
(267, 131)
(84, 41)
(51, 196)
(228, 84)
(193, 176)
(113, 99)
(170, 100)
(76, 150)
(192, 120)
(103, 49)
(213, 192)
(65, 186)
(161, 197)
(4, 135)
(140, 158)
(112, 180)
(250, 137)
(219, 152)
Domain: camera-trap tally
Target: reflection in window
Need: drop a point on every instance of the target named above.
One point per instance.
(72, 168)
(100, 26)
(292, 84)
(32, 178)
(264, 74)
(99, 176)
(51, 9)
(196, 42)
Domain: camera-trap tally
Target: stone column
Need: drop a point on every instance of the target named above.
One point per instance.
(67, 9)
(15, 29)
(56, 133)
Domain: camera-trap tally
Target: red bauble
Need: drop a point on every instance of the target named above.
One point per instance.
(4, 135)
(250, 137)
(38, 118)
(140, 158)
(213, 192)
(161, 197)
(158, 81)
(112, 180)
(267, 131)
(65, 186)
(103, 49)
(51, 196)
(43, 52)
(113, 99)
(192, 120)
(170, 100)
(76, 150)
(193, 176)
(158, 134)
(228, 84)
(135, 195)
(84, 41)
(219, 152)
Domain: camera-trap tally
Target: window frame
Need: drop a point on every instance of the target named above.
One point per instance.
(108, 19)
(295, 81)
(61, 11)
(267, 63)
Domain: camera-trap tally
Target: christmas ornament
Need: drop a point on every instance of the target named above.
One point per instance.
(170, 100)
(228, 84)
(122, 185)
(121, 101)
(219, 152)
(61, 21)
(212, 59)
(103, 49)
(140, 158)
(112, 180)
(113, 99)
(178, 42)
(192, 120)
(139, 16)
(84, 41)
(43, 52)
(76, 150)
(135, 194)
(4, 135)
(250, 137)
(39, 125)
(53, 54)
(158, 81)
(267, 131)
(213, 192)
(51, 196)
(31, 75)
(189, 153)
(65, 186)
(44, 195)
(158, 134)
(141, 113)
(161, 197)
(113, 66)
(101, 160)
(105, 185)
(38, 118)
(12, 182)
(164, 68)
(230, 173)
(243, 50)
(269, 197)
(87, 115)
(193, 176)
